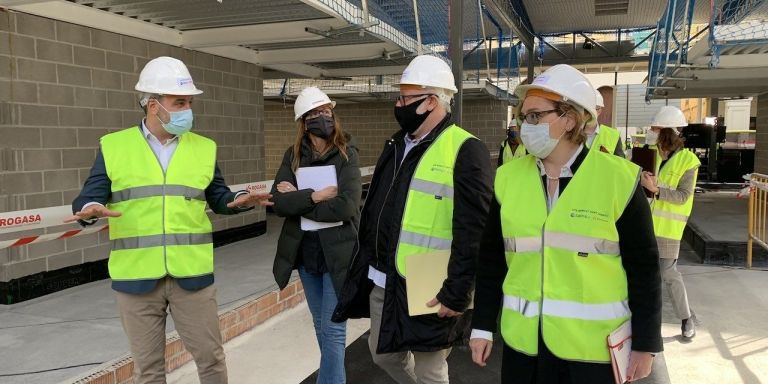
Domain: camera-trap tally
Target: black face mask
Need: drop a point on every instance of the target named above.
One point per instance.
(407, 117)
(321, 126)
(511, 136)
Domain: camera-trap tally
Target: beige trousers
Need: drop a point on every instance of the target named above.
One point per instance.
(195, 315)
(405, 367)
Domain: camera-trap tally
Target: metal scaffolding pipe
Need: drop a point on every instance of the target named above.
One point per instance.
(456, 49)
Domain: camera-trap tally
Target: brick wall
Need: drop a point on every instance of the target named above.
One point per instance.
(371, 124)
(63, 86)
(761, 142)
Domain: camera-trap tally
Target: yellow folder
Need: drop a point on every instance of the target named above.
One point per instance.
(425, 273)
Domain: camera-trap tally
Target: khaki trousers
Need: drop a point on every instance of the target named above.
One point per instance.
(195, 315)
(405, 367)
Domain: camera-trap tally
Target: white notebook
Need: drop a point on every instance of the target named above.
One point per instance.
(316, 178)
(620, 347)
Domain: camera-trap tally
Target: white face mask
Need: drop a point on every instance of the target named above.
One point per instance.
(651, 137)
(536, 139)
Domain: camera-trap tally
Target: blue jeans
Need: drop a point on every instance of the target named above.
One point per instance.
(331, 337)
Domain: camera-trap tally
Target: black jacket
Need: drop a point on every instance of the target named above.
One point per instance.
(338, 243)
(379, 234)
(639, 257)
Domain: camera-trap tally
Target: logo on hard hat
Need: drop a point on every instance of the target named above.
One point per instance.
(184, 81)
(542, 79)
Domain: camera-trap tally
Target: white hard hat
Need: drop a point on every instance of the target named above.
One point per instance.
(428, 71)
(599, 102)
(567, 82)
(309, 99)
(669, 117)
(166, 76)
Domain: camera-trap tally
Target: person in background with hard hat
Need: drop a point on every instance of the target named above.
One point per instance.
(430, 192)
(673, 188)
(511, 147)
(568, 254)
(321, 256)
(153, 181)
(601, 136)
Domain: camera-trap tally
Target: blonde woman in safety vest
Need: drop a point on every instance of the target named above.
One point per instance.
(153, 181)
(673, 187)
(568, 253)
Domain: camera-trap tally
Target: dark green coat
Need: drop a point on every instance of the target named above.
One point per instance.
(339, 243)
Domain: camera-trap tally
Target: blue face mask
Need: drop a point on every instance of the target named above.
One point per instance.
(180, 123)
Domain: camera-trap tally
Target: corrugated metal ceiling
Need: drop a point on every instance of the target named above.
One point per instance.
(198, 14)
(554, 16)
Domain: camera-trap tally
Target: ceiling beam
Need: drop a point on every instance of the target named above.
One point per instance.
(324, 54)
(257, 33)
(96, 18)
(15, 3)
(512, 20)
(366, 71)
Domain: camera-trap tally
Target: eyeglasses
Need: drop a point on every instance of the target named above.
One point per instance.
(403, 99)
(534, 117)
(320, 112)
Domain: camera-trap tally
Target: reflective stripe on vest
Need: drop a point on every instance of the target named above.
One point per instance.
(427, 223)
(569, 241)
(568, 309)
(162, 240)
(163, 229)
(669, 219)
(157, 190)
(565, 275)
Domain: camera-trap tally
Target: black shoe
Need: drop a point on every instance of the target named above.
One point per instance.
(688, 328)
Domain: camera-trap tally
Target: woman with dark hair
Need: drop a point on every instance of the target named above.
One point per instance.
(321, 256)
(673, 187)
(568, 254)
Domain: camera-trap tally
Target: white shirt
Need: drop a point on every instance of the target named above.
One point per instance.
(564, 172)
(551, 200)
(409, 144)
(591, 136)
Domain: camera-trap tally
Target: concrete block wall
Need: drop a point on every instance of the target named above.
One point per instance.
(62, 86)
(373, 123)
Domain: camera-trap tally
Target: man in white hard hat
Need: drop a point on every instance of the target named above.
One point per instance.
(600, 136)
(430, 194)
(153, 181)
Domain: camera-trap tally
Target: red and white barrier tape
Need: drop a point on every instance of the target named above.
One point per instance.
(54, 216)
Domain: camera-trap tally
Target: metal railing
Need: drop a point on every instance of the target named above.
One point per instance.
(758, 214)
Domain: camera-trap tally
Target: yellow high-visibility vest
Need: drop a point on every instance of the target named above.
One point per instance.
(164, 229)
(427, 224)
(565, 274)
(669, 219)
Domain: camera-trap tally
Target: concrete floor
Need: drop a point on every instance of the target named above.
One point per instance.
(80, 325)
(731, 345)
(721, 215)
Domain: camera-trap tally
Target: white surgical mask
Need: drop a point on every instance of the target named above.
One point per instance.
(536, 139)
(651, 137)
